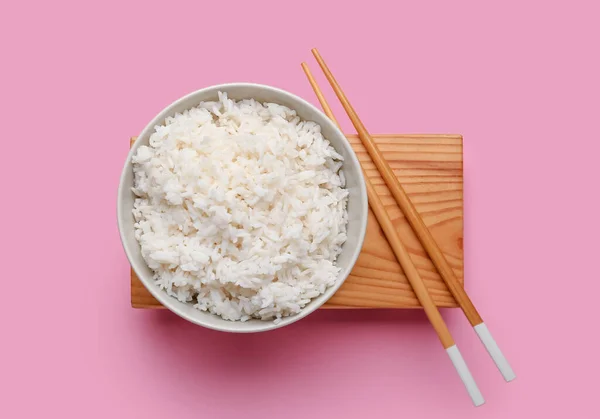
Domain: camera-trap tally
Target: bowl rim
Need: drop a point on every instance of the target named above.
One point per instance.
(163, 298)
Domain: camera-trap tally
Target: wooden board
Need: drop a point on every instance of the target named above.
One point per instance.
(430, 169)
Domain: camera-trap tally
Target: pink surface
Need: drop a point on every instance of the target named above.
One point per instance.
(519, 79)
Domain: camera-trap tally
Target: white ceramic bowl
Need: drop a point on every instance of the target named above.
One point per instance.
(357, 203)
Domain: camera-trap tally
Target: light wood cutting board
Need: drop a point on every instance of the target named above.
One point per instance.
(430, 169)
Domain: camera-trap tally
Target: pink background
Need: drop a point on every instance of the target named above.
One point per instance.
(520, 81)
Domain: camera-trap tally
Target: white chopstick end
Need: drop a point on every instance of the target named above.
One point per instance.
(465, 375)
(492, 347)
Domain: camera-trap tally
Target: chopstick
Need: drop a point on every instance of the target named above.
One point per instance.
(421, 230)
(414, 278)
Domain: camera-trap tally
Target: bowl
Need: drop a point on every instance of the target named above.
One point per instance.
(355, 183)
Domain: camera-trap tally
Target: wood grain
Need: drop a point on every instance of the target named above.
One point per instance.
(408, 209)
(430, 169)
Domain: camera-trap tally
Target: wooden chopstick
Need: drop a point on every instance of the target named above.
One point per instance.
(421, 230)
(416, 282)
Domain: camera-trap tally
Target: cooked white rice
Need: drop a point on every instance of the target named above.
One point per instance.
(241, 209)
